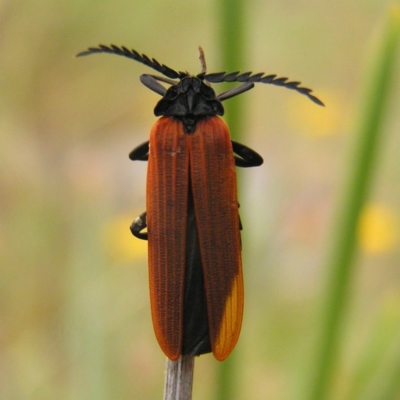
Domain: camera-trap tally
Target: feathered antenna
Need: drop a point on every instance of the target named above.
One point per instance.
(142, 58)
(218, 77)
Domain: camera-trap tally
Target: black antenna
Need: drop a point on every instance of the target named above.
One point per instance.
(218, 77)
(142, 58)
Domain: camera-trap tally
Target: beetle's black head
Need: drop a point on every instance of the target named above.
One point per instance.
(189, 100)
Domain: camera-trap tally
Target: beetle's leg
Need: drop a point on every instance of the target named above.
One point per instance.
(244, 87)
(240, 222)
(140, 153)
(138, 225)
(164, 79)
(245, 157)
(150, 82)
(240, 226)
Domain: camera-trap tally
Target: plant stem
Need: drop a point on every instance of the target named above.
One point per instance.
(179, 378)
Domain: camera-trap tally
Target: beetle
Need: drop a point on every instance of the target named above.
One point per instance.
(192, 218)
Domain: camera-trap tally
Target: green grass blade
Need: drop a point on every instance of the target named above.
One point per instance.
(232, 49)
(389, 385)
(340, 263)
(231, 22)
(385, 333)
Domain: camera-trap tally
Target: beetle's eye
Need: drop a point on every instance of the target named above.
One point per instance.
(207, 91)
(172, 93)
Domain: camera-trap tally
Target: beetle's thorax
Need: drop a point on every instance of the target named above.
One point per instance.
(189, 101)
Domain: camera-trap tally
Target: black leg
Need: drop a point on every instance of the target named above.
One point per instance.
(150, 82)
(244, 87)
(245, 157)
(140, 153)
(138, 225)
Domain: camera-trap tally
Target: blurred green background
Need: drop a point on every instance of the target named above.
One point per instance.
(75, 319)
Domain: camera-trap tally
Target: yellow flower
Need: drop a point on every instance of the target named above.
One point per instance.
(119, 242)
(319, 121)
(378, 229)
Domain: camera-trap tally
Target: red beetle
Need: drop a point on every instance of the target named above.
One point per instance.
(192, 219)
